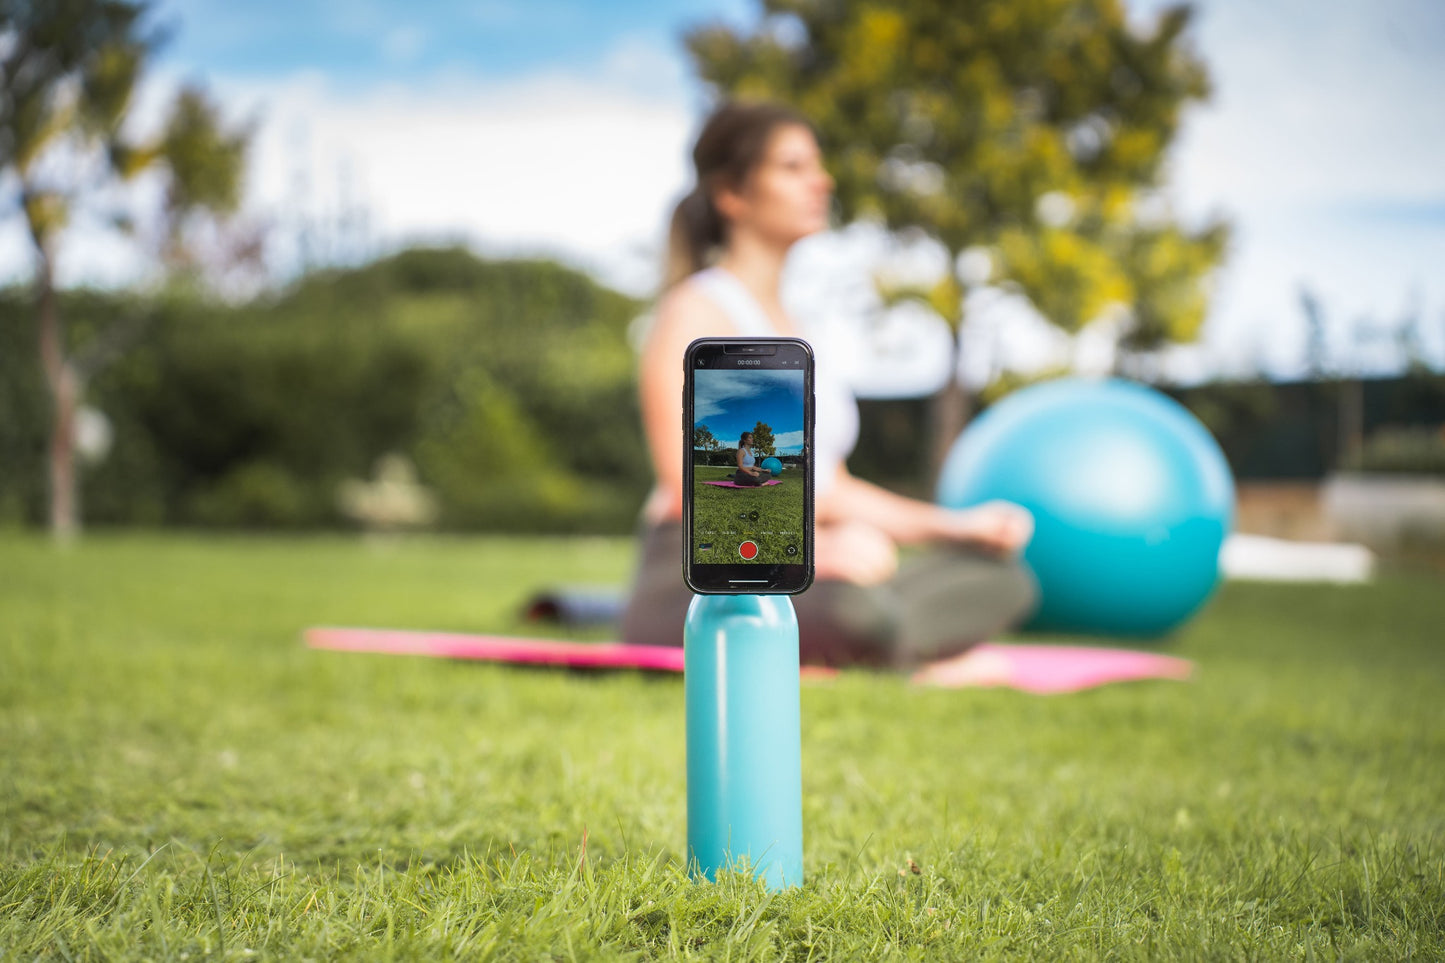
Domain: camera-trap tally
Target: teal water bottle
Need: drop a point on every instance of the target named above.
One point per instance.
(744, 743)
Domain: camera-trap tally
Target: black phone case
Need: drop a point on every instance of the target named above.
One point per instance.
(809, 404)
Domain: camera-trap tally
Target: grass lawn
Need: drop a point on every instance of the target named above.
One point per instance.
(180, 779)
(771, 515)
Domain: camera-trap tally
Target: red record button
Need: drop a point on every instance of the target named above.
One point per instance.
(748, 550)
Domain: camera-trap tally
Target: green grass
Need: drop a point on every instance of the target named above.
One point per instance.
(723, 517)
(180, 778)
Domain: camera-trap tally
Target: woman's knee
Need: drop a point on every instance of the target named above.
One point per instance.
(844, 624)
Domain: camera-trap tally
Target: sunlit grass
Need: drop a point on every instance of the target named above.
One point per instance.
(770, 515)
(180, 777)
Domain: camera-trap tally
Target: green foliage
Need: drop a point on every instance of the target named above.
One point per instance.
(67, 65)
(703, 438)
(726, 457)
(182, 778)
(24, 412)
(1032, 128)
(509, 384)
(206, 161)
(1010, 381)
(1167, 267)
(257, 494)
(1293, 431)
(1411, 451)
(762, 440)
(70, 72)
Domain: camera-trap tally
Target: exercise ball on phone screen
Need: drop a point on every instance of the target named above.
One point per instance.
(1131, 497)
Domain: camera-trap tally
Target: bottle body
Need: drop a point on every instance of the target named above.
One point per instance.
(744, 743)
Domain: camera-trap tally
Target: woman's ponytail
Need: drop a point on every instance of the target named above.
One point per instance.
(730, 147)
(696, 231)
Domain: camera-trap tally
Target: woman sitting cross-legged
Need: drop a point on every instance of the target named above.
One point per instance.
(761, 187)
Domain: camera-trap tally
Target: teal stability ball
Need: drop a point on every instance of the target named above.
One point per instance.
(773, 465)
(1131, 498)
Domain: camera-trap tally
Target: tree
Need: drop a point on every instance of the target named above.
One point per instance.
(702, 437)
(69, 70)
(762, 439)
(1030, 131)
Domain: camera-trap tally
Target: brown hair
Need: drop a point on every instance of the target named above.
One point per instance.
(727, 152)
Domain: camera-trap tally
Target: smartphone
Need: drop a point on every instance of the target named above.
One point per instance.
(747, 417)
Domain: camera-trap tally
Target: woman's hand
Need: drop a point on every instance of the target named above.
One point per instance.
(998, 526)
(853, 552)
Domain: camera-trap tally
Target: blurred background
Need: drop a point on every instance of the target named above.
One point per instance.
(331, 266)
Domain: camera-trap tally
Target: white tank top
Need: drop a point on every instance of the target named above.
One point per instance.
(835, 423)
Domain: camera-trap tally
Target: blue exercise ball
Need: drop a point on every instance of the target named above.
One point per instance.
(1131, 498)
(773, 465)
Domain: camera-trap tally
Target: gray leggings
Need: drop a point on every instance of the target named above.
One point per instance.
(940, 603)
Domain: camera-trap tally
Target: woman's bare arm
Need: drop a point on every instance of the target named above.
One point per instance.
(996, 526)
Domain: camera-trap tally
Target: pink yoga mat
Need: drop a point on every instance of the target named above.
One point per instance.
(1028, 668)
(733, 484)
(499, 648)
(1045, 669)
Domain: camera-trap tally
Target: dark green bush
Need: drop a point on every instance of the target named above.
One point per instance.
(1411, 451)
(509, 384)
(24, 414)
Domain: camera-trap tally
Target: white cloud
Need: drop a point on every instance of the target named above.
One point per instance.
(565, 164)
(788, 442)
(784, 443)
(1316, 101)
(552, 164)
(714, 391)
(1324, 111)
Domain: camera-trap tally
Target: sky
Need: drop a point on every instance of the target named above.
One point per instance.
(731, 402)
(562, 128)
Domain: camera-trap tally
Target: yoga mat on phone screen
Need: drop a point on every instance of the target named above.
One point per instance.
(732, 484)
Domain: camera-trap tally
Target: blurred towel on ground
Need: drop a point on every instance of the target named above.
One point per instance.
(1257, 558)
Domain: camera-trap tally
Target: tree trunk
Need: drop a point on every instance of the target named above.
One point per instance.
(948, 414)
(64, 384)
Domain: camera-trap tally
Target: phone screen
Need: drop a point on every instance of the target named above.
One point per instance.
(749, 465)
